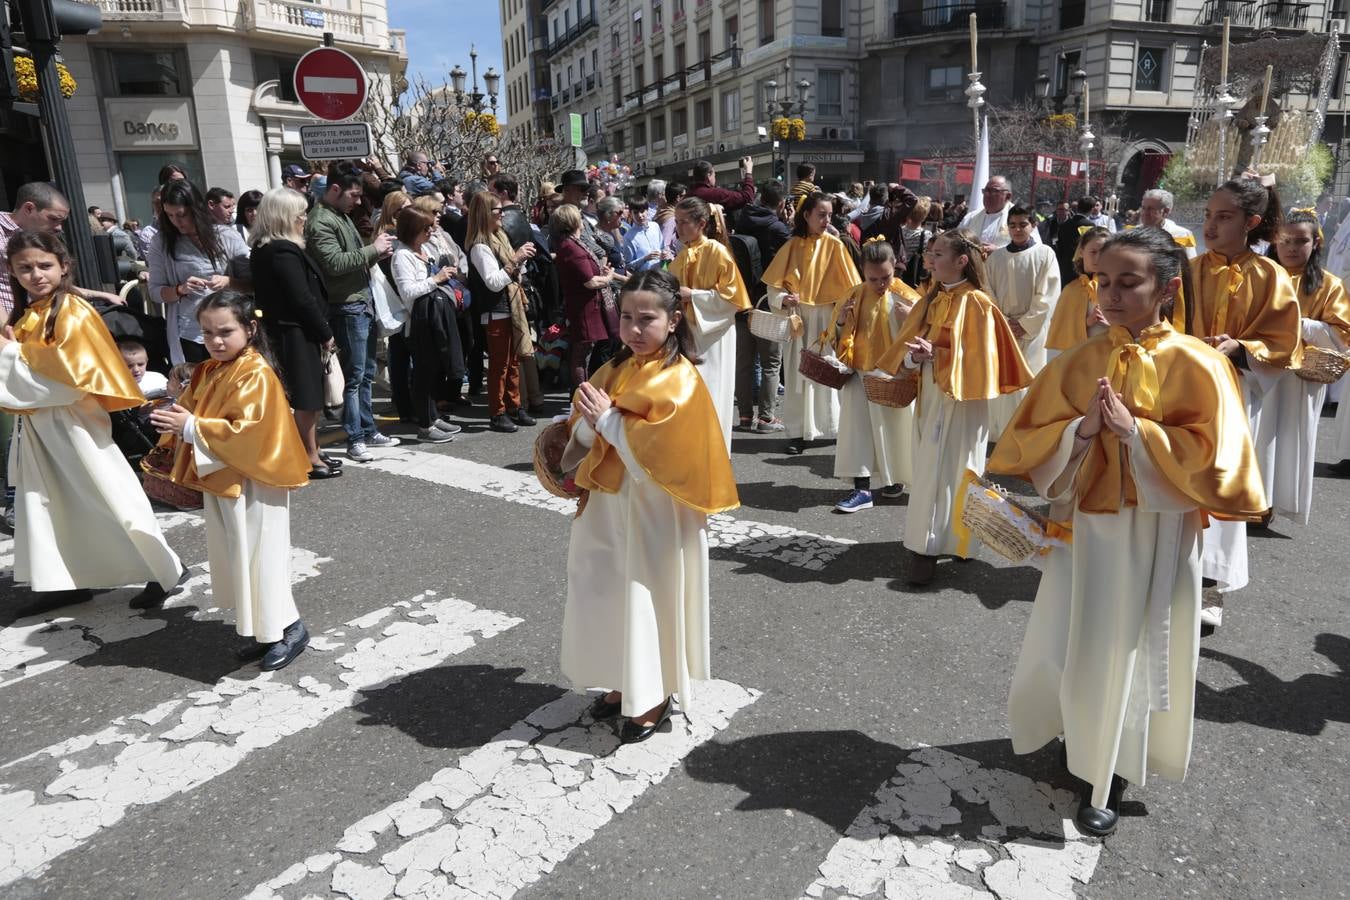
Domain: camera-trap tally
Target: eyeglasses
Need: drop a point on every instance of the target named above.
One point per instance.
(497, 210)
(996, 191)
(491, 162)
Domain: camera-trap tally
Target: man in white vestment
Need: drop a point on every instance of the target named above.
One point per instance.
(990, 222)
(1154, 212)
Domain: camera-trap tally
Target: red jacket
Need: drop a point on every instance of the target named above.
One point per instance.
(728, 200)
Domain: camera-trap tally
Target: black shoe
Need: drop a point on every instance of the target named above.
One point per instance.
(46, 601)
(521, 417)
(318, 473)
(503, 424)
(154, 594)
(281, 654)
(603, 709)
(1101, 822)
(922, 568)
(1340, 469)
(794, 447)
(537, 410)
(251, 651)
(633, 733)
(331, 462)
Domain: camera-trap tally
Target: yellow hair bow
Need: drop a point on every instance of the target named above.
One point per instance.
(874, 239)
(1312, 211)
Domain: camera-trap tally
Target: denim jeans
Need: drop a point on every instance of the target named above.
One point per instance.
(356, 336)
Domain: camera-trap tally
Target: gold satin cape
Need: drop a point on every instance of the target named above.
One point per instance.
(866, 335)
(817, 268)
(1188, 407)
(1068, 326)
(83, 355)
(242, 416)
(1251, 299)
(1331, 303)
(672, 429)
(975, 355)
(709, 266)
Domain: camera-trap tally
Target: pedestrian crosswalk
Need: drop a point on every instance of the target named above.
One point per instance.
(486, 820)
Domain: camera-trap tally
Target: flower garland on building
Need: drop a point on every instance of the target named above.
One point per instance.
(25, 73)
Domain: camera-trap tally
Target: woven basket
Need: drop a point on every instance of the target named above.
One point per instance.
(814, 367)
(548, 452)
(159, 486)
(1001, 522)
(770, 327)
(894, 392)
(1322, 365)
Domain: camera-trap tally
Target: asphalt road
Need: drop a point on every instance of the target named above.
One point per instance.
(854, 743)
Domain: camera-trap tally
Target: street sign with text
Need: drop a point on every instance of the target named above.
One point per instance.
(330, 83)
(347, 140)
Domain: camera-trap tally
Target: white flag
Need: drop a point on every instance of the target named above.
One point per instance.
(981, 173)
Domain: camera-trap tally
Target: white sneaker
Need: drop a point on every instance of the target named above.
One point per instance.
(358, 452)
(381, 441)
(1211, 607)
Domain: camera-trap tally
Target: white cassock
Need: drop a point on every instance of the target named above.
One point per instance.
(949, 437)
(1025, 287)
(636, 618)
(712, 323)
(248, 541)
(1110, 652)
(810, 411)
(992, 228)
(875, 441)
(81, 518)
(1340, 445)
(1285, 436)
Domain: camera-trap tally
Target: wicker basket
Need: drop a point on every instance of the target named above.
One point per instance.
(814, 367)
(1322, 365)
(770, 326)
(894, 392)
(548, 452)
(1007, 527)
(159, 485)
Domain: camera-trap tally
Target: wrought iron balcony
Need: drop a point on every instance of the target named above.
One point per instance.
(1242, 13)
(585, 24)
(1285, 15)
(936, 17)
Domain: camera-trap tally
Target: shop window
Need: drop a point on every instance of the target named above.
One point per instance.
(146, 73)
(140, 174)
(1149, 69)
(267, 66)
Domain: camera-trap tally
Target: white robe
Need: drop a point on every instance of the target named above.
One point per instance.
(874, 441)
(949, 437)
(1287, 445)
(1025, 287)
(810, 411)
(248, 541)
(1110, 652)
(992, 228)
(81, 519)
(712, 322)
(1341, 444)
(636, 618)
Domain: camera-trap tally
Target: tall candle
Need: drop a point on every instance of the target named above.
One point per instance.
(1223, 56)
(974, 56)
(1087, 105)
(1265, 91)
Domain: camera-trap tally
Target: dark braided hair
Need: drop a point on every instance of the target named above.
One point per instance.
(1312, 274)
(666, 287)
(1169, 261)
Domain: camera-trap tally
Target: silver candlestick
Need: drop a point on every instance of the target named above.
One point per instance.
(1259, 135)
(1223, 103)
(975, 92)
(1085, 143)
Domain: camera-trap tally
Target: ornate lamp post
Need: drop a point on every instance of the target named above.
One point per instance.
(475, 99)
(782, 113)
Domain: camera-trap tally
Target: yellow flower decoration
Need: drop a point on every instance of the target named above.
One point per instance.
(25, 73)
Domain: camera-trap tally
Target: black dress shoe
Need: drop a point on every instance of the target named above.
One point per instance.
(251, 651)
(1101, 822)
(331, 462)
(633, 733)
(503, 424)
(46, 601)
(922, 568)
(154, 594)
(603, 709)
(521, 417)
(318, 473)
(1340, 469)
(794, 447)
(281, 654)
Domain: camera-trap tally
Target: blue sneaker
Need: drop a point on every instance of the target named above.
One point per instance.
(858, 500)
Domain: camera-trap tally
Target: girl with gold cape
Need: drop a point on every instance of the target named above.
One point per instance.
(646, 445)
(713, 294)
(959, 346)
(235, 440)
(1287, 463)
(1134, 436)
(1244, 306)
(875, 441)
(82, 520)
(809, 275)
(1077, 316)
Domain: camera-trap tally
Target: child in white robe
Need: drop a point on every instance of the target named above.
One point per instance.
(82, 520)
(235, 440)
(645, 445)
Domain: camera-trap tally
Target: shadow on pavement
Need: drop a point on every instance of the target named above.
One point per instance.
(1302, 706)
(189, 648)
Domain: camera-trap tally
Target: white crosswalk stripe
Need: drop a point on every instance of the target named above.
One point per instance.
(55, 799)
(885, 854)
(507, 813)
(759, 540)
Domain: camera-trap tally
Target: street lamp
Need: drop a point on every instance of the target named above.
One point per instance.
(785, 110)
(475, 99)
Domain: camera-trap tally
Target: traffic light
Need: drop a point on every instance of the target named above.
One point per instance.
(779, 168)
(48, 20)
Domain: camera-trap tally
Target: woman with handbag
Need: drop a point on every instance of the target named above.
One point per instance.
(432, 332)
(291, 296)
(582, 281)
(493, 268)
(810, 274)
(1134, 436)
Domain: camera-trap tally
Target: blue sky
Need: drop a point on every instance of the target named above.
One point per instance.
(439, 35)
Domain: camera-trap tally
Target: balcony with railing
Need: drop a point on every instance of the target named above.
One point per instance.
(583, 25)
(932, 18)
(1285, 15)
(698, 75)
(143, 10)
(307, 21)
(1242, 13)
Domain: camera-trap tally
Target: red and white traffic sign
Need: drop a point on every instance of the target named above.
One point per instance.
(330, 83)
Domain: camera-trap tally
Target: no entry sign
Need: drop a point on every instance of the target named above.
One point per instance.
(330, 83)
